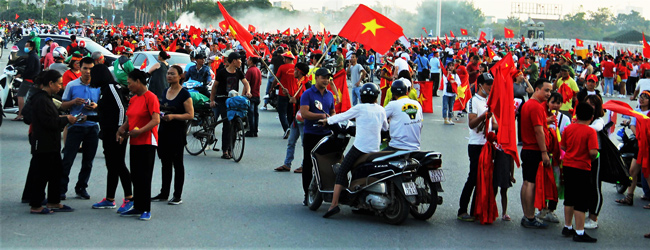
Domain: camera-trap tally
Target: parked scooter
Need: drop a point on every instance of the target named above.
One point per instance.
(8, 89)
(628, 147)
(390, 184)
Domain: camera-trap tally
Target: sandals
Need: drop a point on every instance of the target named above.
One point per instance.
(63, 208)
(18, 119)
(646, 206)
(43, 211)
(226, 156)
(628, 200)
(298, 170)
(283, 168)
(506, 217)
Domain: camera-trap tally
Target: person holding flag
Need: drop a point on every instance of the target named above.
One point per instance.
(451, 82)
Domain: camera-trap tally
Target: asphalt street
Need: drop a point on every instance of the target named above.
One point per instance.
(248, 205)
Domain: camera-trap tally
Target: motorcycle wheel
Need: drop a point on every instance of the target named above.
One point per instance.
(620, 188)
(427, 199)
(314, 197)
(398, 210)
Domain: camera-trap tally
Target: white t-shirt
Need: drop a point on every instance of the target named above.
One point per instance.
(370, 121)
(634, 72)
(406, 118)
(401, 64)
(477, 105)
(643, 85)
(562, 120)
(444, 85)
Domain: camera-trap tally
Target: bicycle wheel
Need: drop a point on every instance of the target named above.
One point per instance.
(238, 139)
(197, 136)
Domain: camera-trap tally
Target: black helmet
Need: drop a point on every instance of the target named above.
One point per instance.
(398, 88)
(369, 93)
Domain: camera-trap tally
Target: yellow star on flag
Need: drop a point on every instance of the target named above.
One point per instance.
(371, 26)
(232, 31)
(461, 92)
(194, 36)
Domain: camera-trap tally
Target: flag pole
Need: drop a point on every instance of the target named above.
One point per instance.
(319, 61)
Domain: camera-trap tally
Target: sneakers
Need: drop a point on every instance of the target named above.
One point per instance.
(584, 238)
(566, 232)
(448, 121)
(551, 217)
(466, 217)
(286, 133)
(541, 214)
(525, 222)
(132, 213)
(590, 224)
(159, 197)
(104, 204)
(175, 201)
(82, 194)
(145, 216)
(127, 205)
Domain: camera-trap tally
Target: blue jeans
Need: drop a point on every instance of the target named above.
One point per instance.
(269, 84)
(76, 135)
(356, 96)
(608, 88)
(254, 114)
(297, 130)
(285, 112)
(646, 188)
(448, 106)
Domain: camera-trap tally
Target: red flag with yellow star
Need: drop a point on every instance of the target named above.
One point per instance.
(579, 43)
(482, 37)
(238, 32)
(251, 28)
(508, 33)
(491, 53)
(287, 32)
(646, 47)
(372, 29)
(224, 26)
(463, 32)
(195, 36)
(501, 104)
(452, 34)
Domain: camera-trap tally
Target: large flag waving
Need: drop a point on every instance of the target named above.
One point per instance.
(501, 104)
(508, 33)
(641, 128)
(238, 32)
(372, 29)
(646, 47)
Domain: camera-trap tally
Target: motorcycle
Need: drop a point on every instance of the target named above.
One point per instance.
(9, 85)
(628, 146)
(390, 184)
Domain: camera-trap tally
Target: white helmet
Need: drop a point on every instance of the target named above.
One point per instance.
(60, 52)
(141, 44)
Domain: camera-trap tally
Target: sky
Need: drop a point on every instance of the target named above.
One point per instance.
(497, 8)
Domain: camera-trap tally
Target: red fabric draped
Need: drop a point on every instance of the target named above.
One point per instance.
(501, 103)
(545, 188)
(486, 205)
(426, 91)
(342, 87)
(641, 131)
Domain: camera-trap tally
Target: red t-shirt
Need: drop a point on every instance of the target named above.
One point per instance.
(119, 50)
(69, 76)
(643, 67)
(139, 113)
(533, 114)
(285, 74)
(578, 139)
(472, 77)
(622, 71)
(608, 69)
(254, 78)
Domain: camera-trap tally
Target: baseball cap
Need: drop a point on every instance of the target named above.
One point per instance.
(593, 78)
(323, 72)
(48, 39)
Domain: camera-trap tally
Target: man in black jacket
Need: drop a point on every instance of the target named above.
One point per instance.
(32, 68)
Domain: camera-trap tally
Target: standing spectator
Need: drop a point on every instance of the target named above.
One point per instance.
(111, 111)
(565, 79)
(32, 69)
(598, 124)
(143, 117)
(45, 141)
(473, 70)
(81, 98)
(608, 74)
(623, 71)
(449, 95)
(434, 65)
(371, 62)
(158, 80)
(357, 74)
(533, 152)
(423, 66)
(254, 78)
(176, 108)
(287, 83)
(581, 145)
(532, 71)
(634, 75)
(75, 70)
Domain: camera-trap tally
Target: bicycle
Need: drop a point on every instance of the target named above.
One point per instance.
(200, 133)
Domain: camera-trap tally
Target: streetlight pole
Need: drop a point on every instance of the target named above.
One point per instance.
(439, 18)
(101, 8)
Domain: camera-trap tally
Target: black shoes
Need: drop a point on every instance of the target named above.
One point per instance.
(81, 194)
(568, 232)
(286, 134)
(334, 211)
(584, 238)
(159, 197)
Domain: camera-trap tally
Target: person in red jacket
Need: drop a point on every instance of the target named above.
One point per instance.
(608, 74)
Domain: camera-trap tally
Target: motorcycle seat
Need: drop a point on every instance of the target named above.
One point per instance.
(369, 157)
(360, 183)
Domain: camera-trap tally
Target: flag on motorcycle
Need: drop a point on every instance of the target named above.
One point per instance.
(642, 127)
(372, 29)
(426, 91)
(238, 32)
(340, 80)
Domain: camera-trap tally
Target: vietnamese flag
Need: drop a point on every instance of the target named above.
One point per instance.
(76, 23)
(579, 43)
(105, 22)
(447, 39)
(463, 93)
(508, 33)
(251, 28)
(372, 29)
(144, 64)
(223, 25)
(425, 100)
(340, 80)
(17, 16)
(195, 36)
(66, 20)
(287, 32)
(490, 52)
(172, 46)
(452, 34)
(238, 32)
(121, 25)
(642, 130)
(646, 47)
(463, 32)
(482, 37)
(501, 104)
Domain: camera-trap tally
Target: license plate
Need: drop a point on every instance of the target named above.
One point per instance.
(409, 188)
(436, 175)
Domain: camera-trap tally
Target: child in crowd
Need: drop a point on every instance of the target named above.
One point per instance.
(577, 166)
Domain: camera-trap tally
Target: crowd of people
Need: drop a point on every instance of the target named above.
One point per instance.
(556, 95)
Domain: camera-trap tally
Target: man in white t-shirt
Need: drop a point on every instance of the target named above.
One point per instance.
(642, 85)
(401, 63)
(477, 109)
(405, 118)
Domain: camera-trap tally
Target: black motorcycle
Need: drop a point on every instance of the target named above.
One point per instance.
(390, 184)
(628, 147)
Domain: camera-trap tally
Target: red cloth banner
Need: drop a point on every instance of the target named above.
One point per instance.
(426, 92)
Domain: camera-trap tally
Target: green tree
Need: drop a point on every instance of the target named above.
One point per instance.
(455, 15)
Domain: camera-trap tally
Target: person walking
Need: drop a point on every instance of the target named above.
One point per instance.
(254, 78)
(111, 113)
(141, 126)
(176, 107)
(357, 74)
(45, 141)
(158, 80)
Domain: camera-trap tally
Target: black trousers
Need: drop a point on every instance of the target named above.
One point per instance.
(221, 112)
(46, 170)
(595, 189)
(115, 154)
(631, 84)
(309, 141)
(435, 78)
(422, 76)
(142, 161)
(474, 152)
(172, 158)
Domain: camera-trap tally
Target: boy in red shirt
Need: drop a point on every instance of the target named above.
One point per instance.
(581, 145)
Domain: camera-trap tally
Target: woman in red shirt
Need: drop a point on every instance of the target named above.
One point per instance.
(623, 72)
(143, 117)
(75, 70)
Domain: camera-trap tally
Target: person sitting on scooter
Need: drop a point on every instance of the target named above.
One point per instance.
(405, 117)
(370, 121)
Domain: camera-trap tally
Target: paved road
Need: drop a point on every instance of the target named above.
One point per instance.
(248, 205)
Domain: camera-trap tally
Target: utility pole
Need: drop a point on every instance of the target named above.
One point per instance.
(439, 18)
(101, 9)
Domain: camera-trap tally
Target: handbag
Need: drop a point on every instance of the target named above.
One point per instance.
(519, 90)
